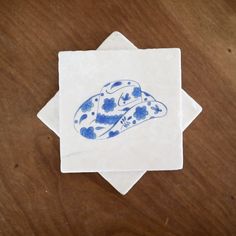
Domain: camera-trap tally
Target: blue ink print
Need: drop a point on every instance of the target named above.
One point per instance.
(113, 133)
(88, 132)
(125, 122)
(156, 109)
(83, 117)
(109, 104)
(99, 127)
(146, 94)
(140, 113)
(107, 120)
(118, 83)
(137, 92)
(126, 97)
(102, 117)
(87, 106)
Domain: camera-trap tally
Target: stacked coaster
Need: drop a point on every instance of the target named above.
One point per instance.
(120, 111)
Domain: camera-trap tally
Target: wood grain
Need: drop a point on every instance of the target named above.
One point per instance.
(36, 199)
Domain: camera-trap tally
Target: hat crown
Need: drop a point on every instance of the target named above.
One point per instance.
(118, 97)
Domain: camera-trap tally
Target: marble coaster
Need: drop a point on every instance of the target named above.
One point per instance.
(119, 110)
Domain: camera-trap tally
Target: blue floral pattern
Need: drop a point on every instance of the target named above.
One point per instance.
(88, 132)
(137, 92)
(113, 133)
(109, 104)
(140, 113)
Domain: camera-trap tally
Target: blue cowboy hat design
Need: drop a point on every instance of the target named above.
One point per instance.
(119, 106)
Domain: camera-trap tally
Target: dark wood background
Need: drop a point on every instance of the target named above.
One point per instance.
(36, 199)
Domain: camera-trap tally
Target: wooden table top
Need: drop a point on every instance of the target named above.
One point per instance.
(36, 199)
